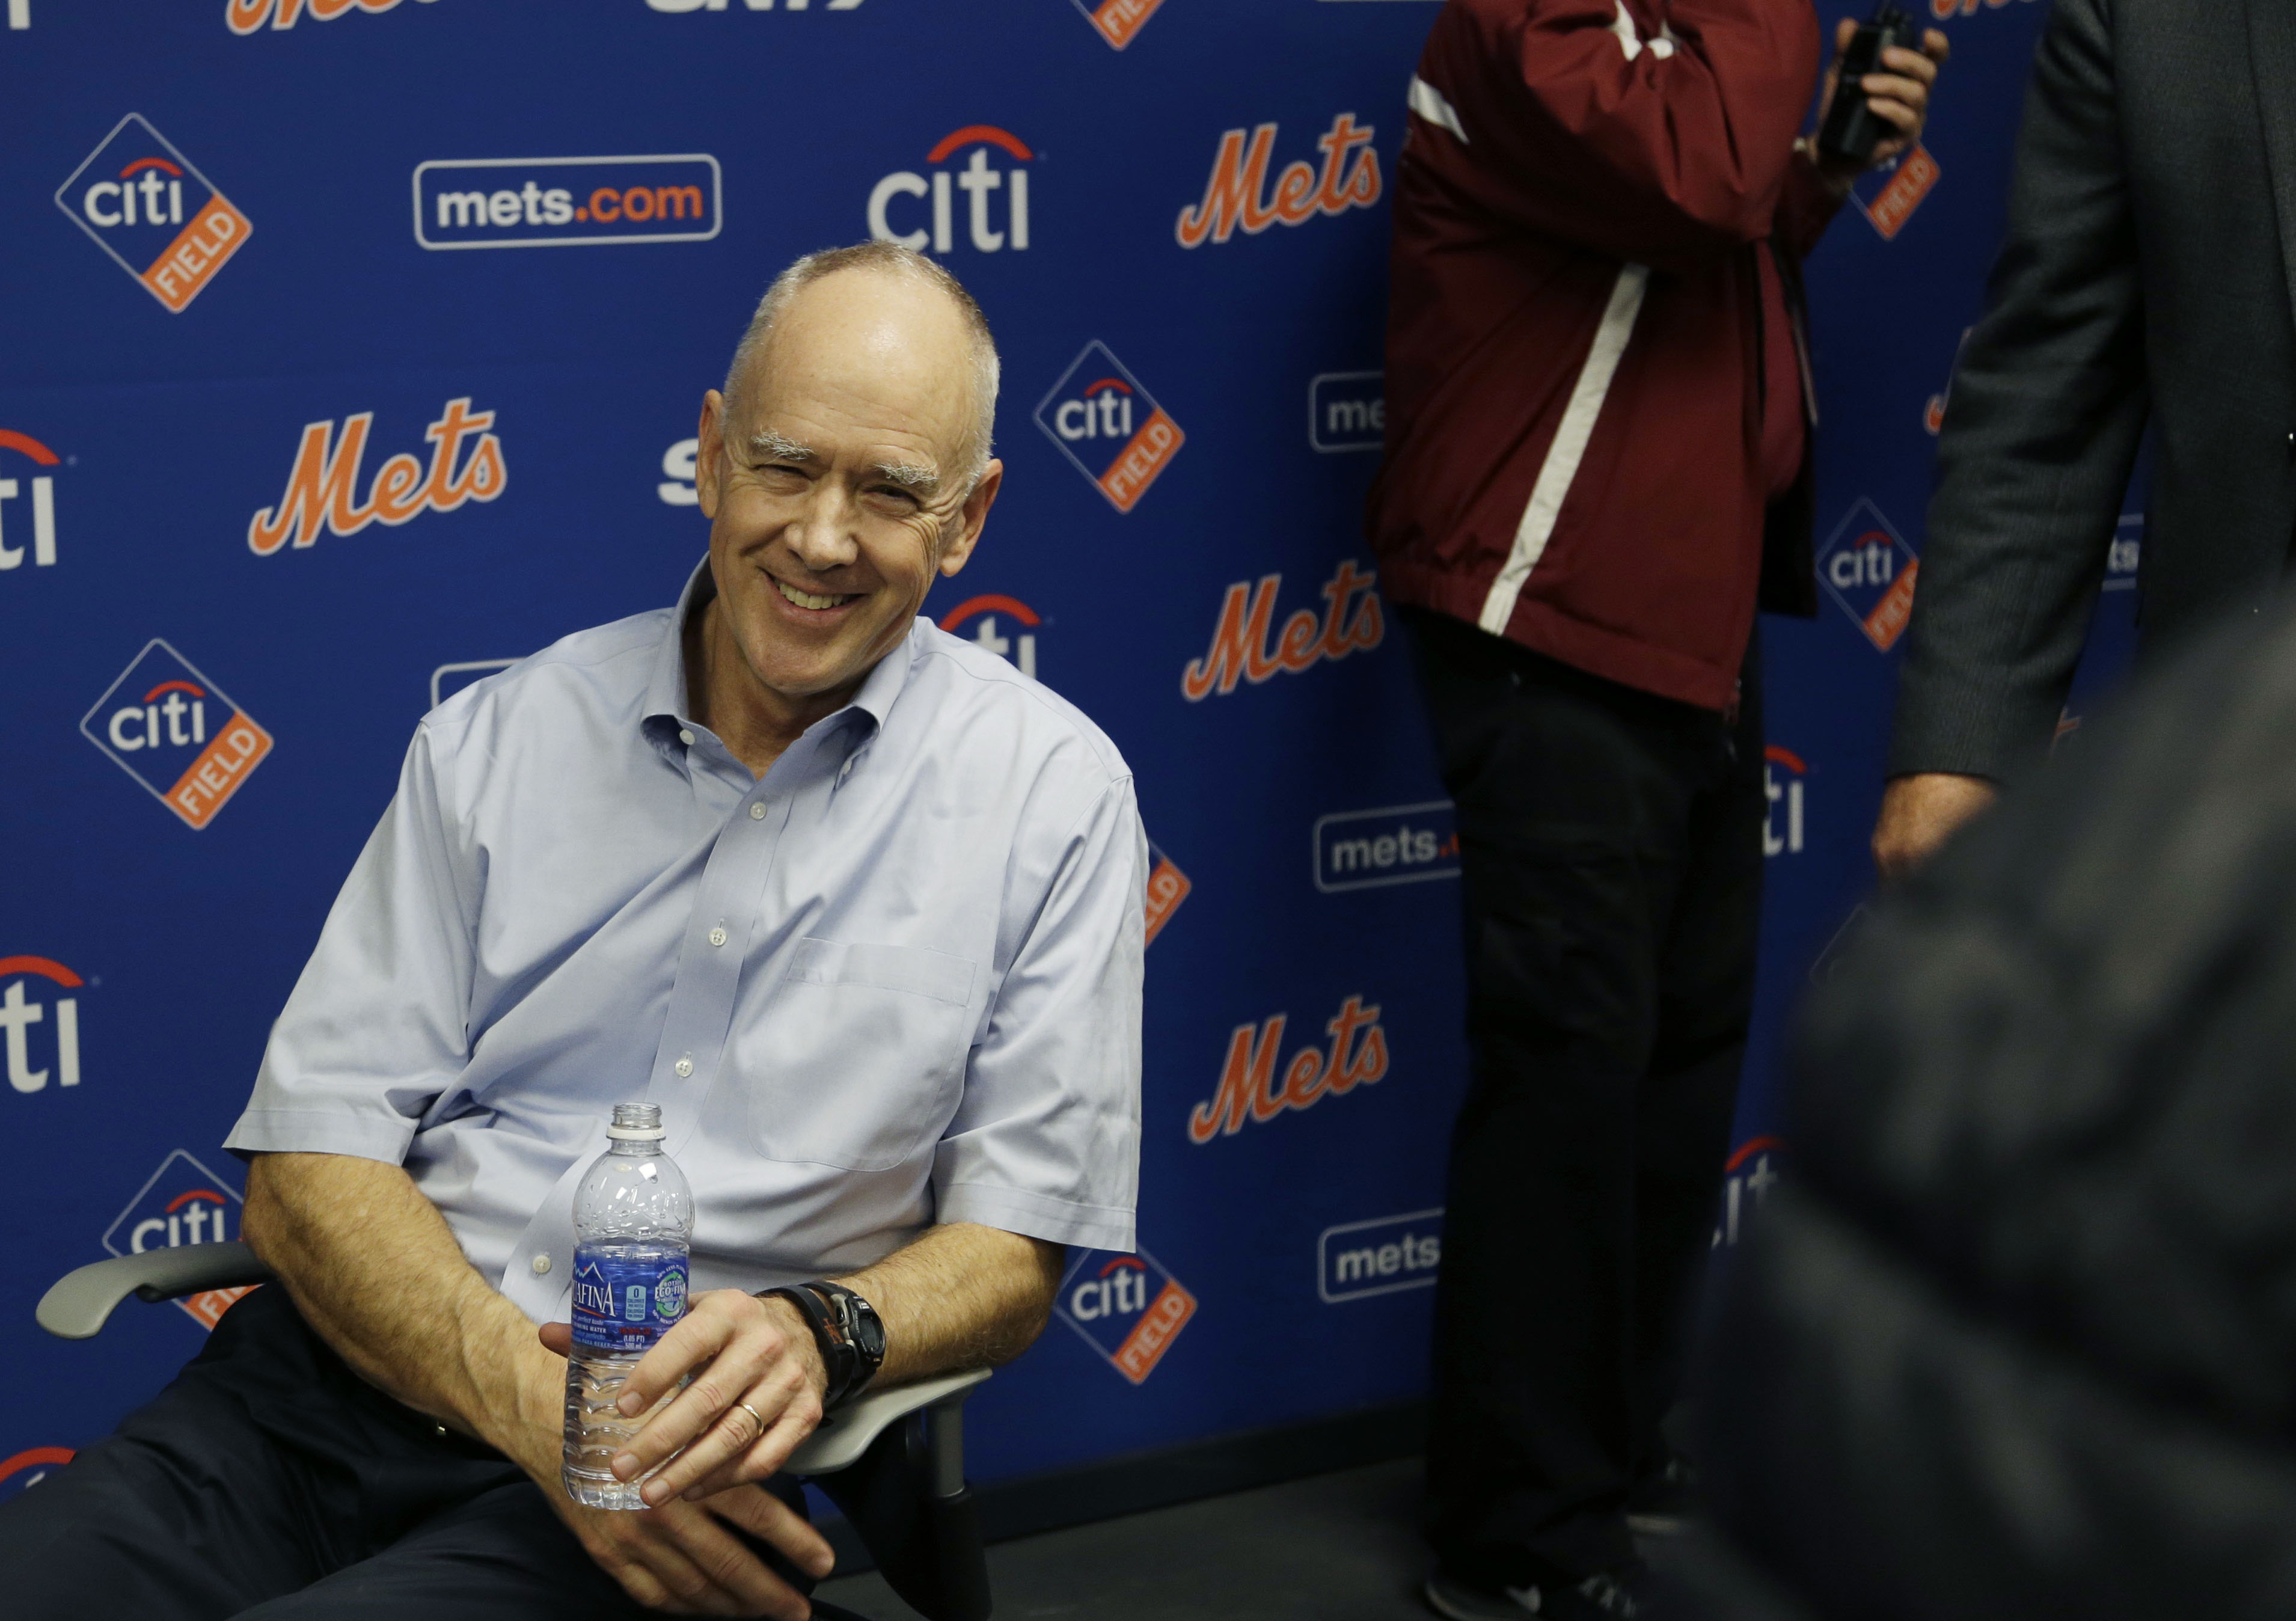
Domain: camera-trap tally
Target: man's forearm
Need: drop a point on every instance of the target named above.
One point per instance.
(376, 1271)
(963, 1295)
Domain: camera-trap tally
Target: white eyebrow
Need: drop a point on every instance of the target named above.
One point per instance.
(765, 442)
(922, 481)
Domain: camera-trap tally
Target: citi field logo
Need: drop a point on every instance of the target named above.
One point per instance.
(173, 730)
(1868, 569)
(183, 1202)
(2122, 560)
(26, 1469)
(1746, 1183)
(1168, 886)
(38, 491)
(1015, 641)
(162, 220)
(1388, 1254)
(1125, 1306)
(1783, 819)
(249, 16)
(322, 485)
(1399, 844)
(566, 202)
(1242, 649)
(1248, 1088)
(1118, 21)
(1238, 194)
(980, 180)
(1108, 427)
(42, 1034)
(1910, 178)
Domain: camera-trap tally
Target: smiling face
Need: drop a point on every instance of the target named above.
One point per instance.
(835, 481)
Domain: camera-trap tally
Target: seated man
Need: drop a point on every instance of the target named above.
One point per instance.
(856, 903)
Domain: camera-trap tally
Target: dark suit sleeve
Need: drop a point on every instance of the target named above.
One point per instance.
(2048, 403)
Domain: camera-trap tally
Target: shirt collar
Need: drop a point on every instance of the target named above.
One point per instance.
(666, 689)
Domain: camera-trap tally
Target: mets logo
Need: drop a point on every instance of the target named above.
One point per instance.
(322, 492)
(173, 730)
(1248, 1087)
(1109, 427)
(27, 1469)
(1118, 21)
(161, 219)
(1241, 651)
(1868, 569)
(42, 489)
(183, 1202)
(980, 180)
(984, 613)
(58, 1050)
(247, 16)
(1127, 1306)
(1237, 192)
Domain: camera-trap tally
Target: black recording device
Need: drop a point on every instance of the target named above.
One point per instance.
(1852, 129)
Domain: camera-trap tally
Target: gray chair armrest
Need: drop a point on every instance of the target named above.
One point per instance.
(844, 1436)
(77, 1303)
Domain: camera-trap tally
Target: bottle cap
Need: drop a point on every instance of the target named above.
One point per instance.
(637, 1123)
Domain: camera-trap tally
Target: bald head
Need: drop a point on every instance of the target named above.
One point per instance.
(887, 312)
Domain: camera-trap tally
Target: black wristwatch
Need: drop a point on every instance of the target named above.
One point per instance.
(848, 1330)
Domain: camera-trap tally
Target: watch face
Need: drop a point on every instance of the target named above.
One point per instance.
(868, 1332)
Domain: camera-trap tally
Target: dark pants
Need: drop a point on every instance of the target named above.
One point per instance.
(268, 1480)
(1611, 864)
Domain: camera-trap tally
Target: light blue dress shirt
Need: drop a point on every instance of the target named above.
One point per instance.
(894, 982)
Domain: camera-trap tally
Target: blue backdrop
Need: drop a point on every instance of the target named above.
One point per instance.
(354, 348)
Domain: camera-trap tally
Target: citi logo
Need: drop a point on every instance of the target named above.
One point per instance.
(566, 202)
(172, 729)
(1746, 1183)
(161, 221)
(980, 180)
(1118, 21)
(984, 613)
(1125, 1306)
(39, 491)
(1168, 886)
(55, 1054)
(1356, 1260)
(1106, 424)
(25, 1469)
(1248, 1088)
(1241, 648)
(322, 485)
(183, 1202)
(1783, 835)
(1868, 569)
(1237, 195)
(248, 16)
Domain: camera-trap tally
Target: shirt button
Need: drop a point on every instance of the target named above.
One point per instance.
(717, 936)
(757, 812)
(685, 1067)
(686, 737)
(541, 1265)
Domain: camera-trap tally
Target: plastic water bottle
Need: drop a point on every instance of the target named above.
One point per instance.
(633, 1231)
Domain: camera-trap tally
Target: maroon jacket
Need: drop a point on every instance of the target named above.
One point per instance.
(1576, 336)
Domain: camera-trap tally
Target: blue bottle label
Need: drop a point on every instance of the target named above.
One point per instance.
(624, 1303)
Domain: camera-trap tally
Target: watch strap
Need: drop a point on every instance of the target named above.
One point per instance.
(847, 1363)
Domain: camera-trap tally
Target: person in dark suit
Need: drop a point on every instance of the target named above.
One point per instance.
(2148, 277)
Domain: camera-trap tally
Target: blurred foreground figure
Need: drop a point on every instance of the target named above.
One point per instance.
(2146, 278)
(2020, 1338)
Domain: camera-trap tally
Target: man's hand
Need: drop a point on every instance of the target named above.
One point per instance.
(1919, 812)
(756, 1392)
(1899, 96)
(683, 1558)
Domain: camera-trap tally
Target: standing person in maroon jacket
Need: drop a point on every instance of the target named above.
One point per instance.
(1598, 409)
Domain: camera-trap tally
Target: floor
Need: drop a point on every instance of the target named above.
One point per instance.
(1338, 1547)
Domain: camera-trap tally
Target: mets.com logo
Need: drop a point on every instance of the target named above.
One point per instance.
(183, 1202)
(1396, 844)
(162, 220)
(1383, 1255)
(1108, 427)
(173, 730)
(566, 202)
(1125, 1306)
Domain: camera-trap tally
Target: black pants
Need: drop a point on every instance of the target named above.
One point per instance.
(269, 1480)
(1611, 881)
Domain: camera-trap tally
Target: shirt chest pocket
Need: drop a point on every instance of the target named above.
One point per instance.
(860, 1063)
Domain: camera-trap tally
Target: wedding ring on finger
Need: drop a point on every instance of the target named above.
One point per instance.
(753, 1413)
